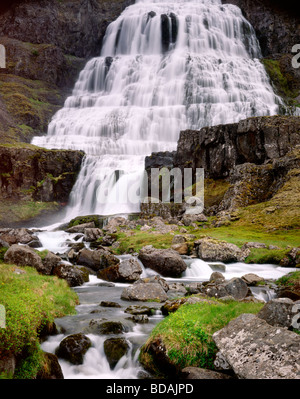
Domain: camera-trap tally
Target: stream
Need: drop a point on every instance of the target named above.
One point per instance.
(92, 293)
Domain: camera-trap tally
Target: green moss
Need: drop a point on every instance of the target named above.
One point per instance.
(31, 300)
(85, 219)
(187, 333)
(290, 279)
(261, 255)
(18, 211)
(283, 81)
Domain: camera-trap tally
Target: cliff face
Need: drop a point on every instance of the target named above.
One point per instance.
(47, 44)
(251, 162)
(276, 23)
(34, 180)
(277, 27)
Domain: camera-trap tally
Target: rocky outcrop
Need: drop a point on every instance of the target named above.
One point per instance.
(245, 163)
(275, 22)
(76, 27)
(35, 181)
(256, 350)
(219, 149)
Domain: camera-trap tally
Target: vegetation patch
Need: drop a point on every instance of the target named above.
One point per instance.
(18, 211)
(187, 333)
(31, 301)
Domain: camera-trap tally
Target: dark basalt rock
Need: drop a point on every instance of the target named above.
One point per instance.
(74, 347)
(115, 349)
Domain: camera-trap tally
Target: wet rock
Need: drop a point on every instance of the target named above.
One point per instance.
(279, 312)
(92, 234)
(115, 349)
(73, 348)
(252, 279)
(85, 273)
(166, 262)
(141, 319)
(108, 304)
(96, 260)
(144, 292)
(196, 373)
(127, 271)
(71, 274)
(22, 255)
(256, 350)
(80, 228)
(140, 310)
(106, 327)
(52, 369)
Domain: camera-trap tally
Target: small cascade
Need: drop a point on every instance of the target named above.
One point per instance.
(165, 66)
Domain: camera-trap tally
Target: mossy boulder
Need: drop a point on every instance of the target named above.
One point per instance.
(73, 348)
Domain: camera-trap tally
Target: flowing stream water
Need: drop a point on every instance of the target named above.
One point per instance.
(165, 66)
(92, 293)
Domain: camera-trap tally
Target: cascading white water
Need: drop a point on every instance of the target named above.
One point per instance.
(165, 66)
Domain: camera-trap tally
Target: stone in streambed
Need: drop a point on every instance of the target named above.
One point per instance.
(166, 262)
(115, 349)
(127, 271)
(73, 348)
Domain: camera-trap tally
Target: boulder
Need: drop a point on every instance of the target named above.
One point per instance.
(22, 255)
(254, 245)
(127, 271)
(50, 261)
(256, 350)
(52, 369)
(235, 288)
(137, 310)
(106, 327)
(252, 279)
(210, 249)
(92, 234)
(96, 260)
(73, 348)
(109, 304)
(176, 290)
(80, 228)
(71, 274)
(172, 305)
(115, 349)
(166, 262)
(217, 277)
(17, 236)
(196, 373)
(279, 312)
(144, 292)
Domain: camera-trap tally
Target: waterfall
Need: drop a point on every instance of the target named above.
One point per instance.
(165, 66)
